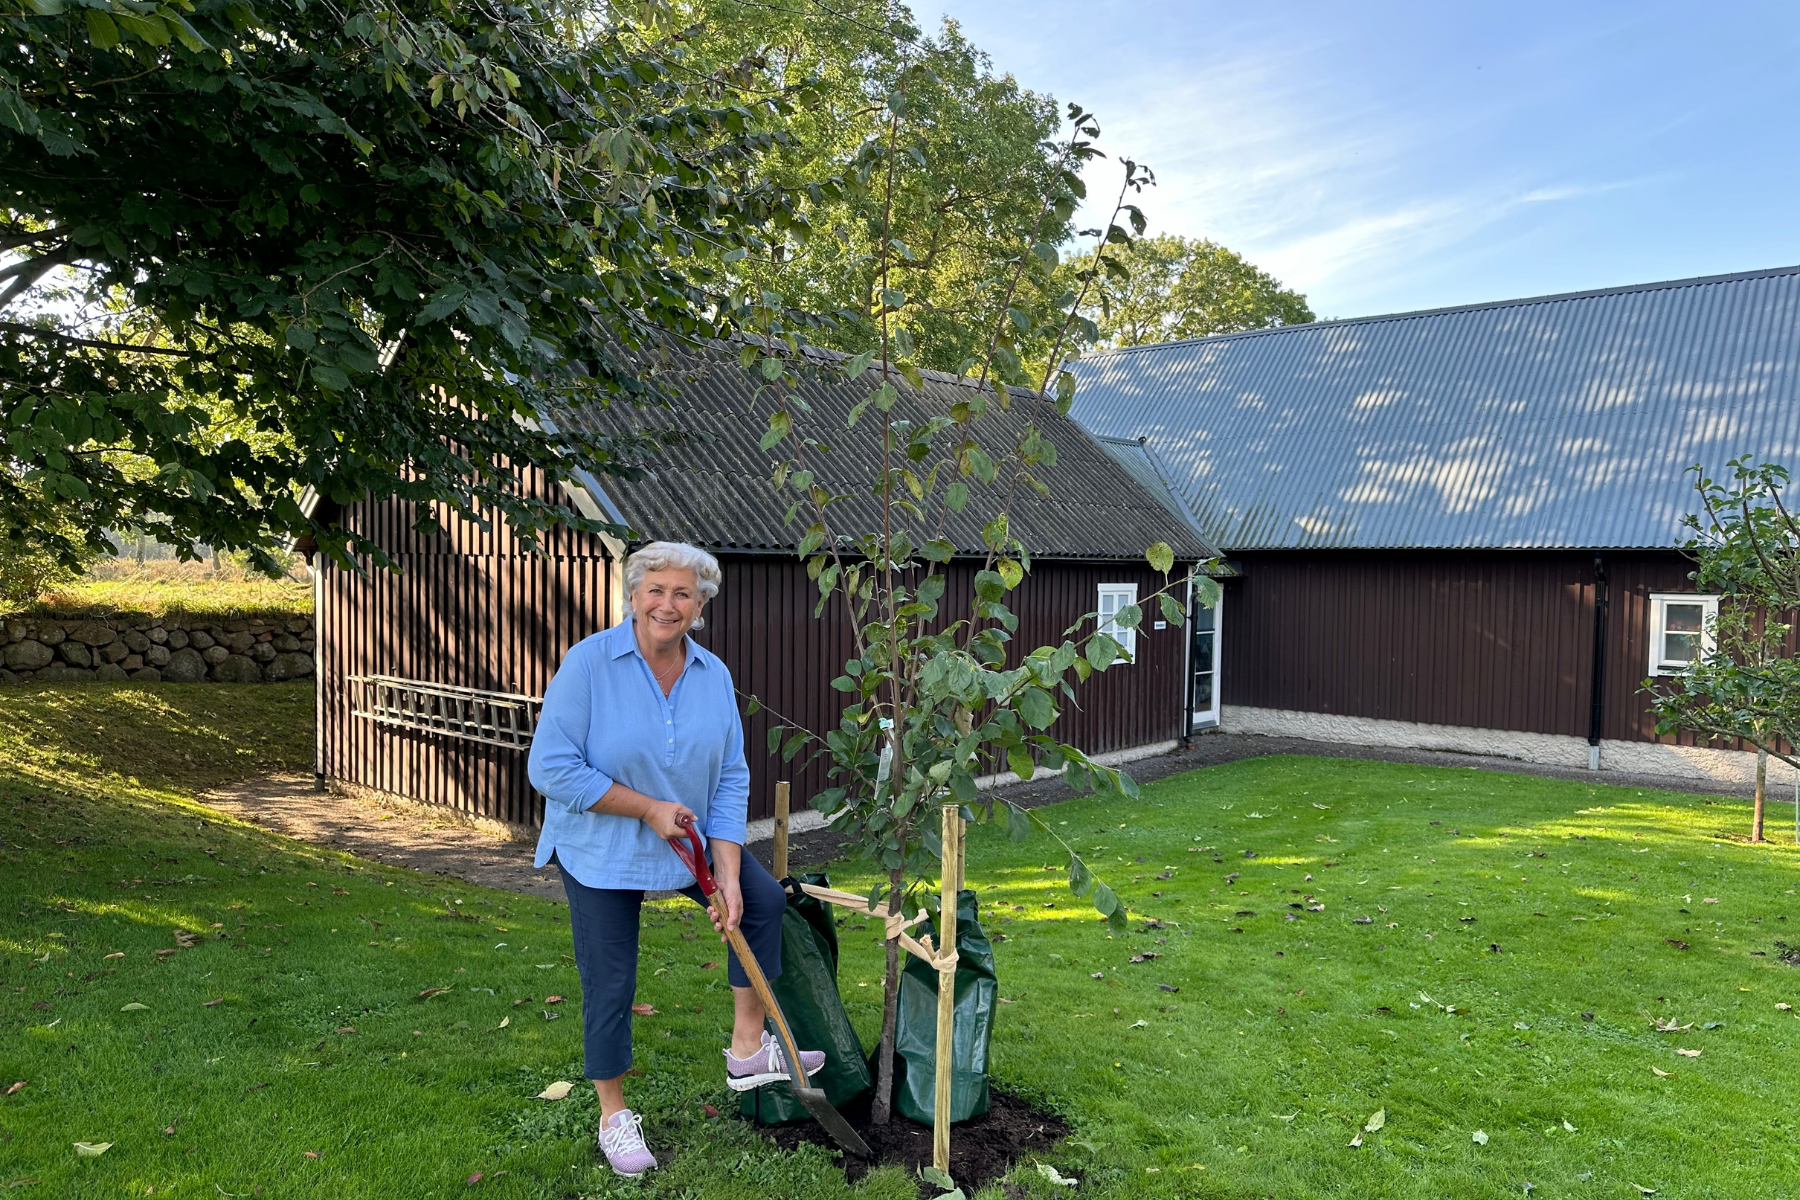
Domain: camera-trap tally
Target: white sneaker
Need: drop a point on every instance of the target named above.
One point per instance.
(767, 1065)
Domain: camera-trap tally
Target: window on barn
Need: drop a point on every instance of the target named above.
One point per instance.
(1681, 630)
(1113, 598)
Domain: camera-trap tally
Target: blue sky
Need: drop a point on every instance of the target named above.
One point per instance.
(1387, 157)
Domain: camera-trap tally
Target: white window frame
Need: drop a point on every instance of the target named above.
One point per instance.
(1206, 718)
(1659, 603)
(1121, 594)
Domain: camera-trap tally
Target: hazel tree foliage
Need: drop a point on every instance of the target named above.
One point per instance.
(253, 247)
(937, 695)
(1190, 288)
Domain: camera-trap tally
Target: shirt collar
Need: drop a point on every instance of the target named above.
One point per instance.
(625, 642)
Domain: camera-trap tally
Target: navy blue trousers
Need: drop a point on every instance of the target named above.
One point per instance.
(605, 923)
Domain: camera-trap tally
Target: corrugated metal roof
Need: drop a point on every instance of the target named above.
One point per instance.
(717, 493)
(1556, 421)
(1139, 461)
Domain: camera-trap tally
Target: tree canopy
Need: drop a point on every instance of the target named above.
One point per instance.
(1189, 288)
(982, 153)
(336, 245)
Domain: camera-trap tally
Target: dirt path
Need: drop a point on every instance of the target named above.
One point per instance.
(288, 805)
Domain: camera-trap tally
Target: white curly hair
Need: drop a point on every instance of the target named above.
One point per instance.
(675, 556)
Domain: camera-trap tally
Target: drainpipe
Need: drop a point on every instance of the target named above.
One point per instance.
(1187, 666)
(1597, 688)
(317, 563)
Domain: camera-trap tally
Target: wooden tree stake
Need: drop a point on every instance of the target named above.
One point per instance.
(781, 829)
(946, 1013)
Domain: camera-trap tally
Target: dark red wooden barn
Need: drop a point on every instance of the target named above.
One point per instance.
(429, 677)
(1458, 529)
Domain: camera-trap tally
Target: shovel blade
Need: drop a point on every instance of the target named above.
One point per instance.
(831, 1120)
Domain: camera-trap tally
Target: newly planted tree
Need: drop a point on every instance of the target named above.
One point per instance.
(1745, 683)
(938, 692)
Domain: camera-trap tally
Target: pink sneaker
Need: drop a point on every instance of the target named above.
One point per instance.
(622, 1141)
(767, 1065)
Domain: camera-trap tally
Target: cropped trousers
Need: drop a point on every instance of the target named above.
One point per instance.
(605, 924)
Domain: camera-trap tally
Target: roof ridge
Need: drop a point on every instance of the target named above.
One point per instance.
(1482, 306)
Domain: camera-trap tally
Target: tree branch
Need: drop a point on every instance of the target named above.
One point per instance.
(65, 339)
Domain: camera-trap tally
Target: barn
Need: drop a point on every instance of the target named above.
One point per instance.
(430, 676)
(1457, 529)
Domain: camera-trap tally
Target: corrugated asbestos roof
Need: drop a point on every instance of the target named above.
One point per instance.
(717, 492)
(1139, 461)
(1558, 421)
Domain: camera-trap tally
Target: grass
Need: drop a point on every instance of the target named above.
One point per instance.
(168, 588)
(1248, 1081)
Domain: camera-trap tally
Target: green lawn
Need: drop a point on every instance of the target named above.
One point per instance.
(1248, 1081)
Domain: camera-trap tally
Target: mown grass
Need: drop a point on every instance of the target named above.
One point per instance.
(1522, 936)
(1248, 1081)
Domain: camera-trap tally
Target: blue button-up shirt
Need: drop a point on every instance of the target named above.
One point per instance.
(605, 719)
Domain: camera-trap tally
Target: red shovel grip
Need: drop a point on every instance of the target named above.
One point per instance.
(693, 857)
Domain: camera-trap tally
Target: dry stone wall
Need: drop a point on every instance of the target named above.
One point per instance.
(156, 649)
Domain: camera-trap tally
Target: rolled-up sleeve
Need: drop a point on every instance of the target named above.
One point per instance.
(558, 766)
(728, 812)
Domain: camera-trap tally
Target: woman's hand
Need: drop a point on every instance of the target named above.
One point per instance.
(733, 895)
(669, 819)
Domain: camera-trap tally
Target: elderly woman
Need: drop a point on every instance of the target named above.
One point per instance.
(640, 738)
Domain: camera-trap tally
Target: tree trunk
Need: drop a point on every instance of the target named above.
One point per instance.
(1762, 779)
(882, 1108)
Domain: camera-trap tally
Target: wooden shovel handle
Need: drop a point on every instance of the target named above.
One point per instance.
(760, 985)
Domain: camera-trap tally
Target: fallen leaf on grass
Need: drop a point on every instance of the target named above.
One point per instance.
(1098, 975)
(709, 966)
(428, 993)
(1568, 1127)
(345, 1029)
(186, 938)
(1661, 1072)
(15, 1087)
(1646, 1191)
(1479, 1137)
(1709, 899)
(21, 1181)
(134, 1006)
(1055, 1177)
(311, 1153)
(92, 1149)
(642, 1010)
(504, 1022)
(556, 1091)
(1677, 943)
(709, 1110)
(1668, 1025)
(473, 1179)
(1356, 1142)
(1687, 1053)
(1376, 1122)
(212, 1003)
(1168, 987)
(114, 954)
(1784, 1007)
(1146, 956)
(559, 1000)
(1713, 1025)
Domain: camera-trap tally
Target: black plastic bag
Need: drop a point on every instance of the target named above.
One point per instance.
(807, 991)
(915, 1037)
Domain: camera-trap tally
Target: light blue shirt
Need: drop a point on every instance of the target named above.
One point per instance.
(605, 719)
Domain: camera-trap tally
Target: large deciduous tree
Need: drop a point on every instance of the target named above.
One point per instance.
(1745, 541)
(345, 246)
(981, 158)
(1189, 288)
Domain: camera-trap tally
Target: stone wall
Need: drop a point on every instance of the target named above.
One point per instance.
(172, 649)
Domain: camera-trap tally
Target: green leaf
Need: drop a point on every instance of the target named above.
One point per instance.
(956, 496)
(938, 550)
(752, 706)
(1162, 558)
(1129, 617)
(779, 428)
(1019, 759)
(990, 585)
(102, 33)
(1036, 708)
(771, 368)
(936, 1178)
(1080, 878)
(1172, 611)
(329, 377)
(1207, 591)
(1102, 652)
(1108, 905)
(1018, 825)
(1011, 572)
(775, 732)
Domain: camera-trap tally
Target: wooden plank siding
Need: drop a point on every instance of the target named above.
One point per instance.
(474, 608)
(1490, 640)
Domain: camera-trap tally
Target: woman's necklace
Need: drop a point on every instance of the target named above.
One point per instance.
(666, 684)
